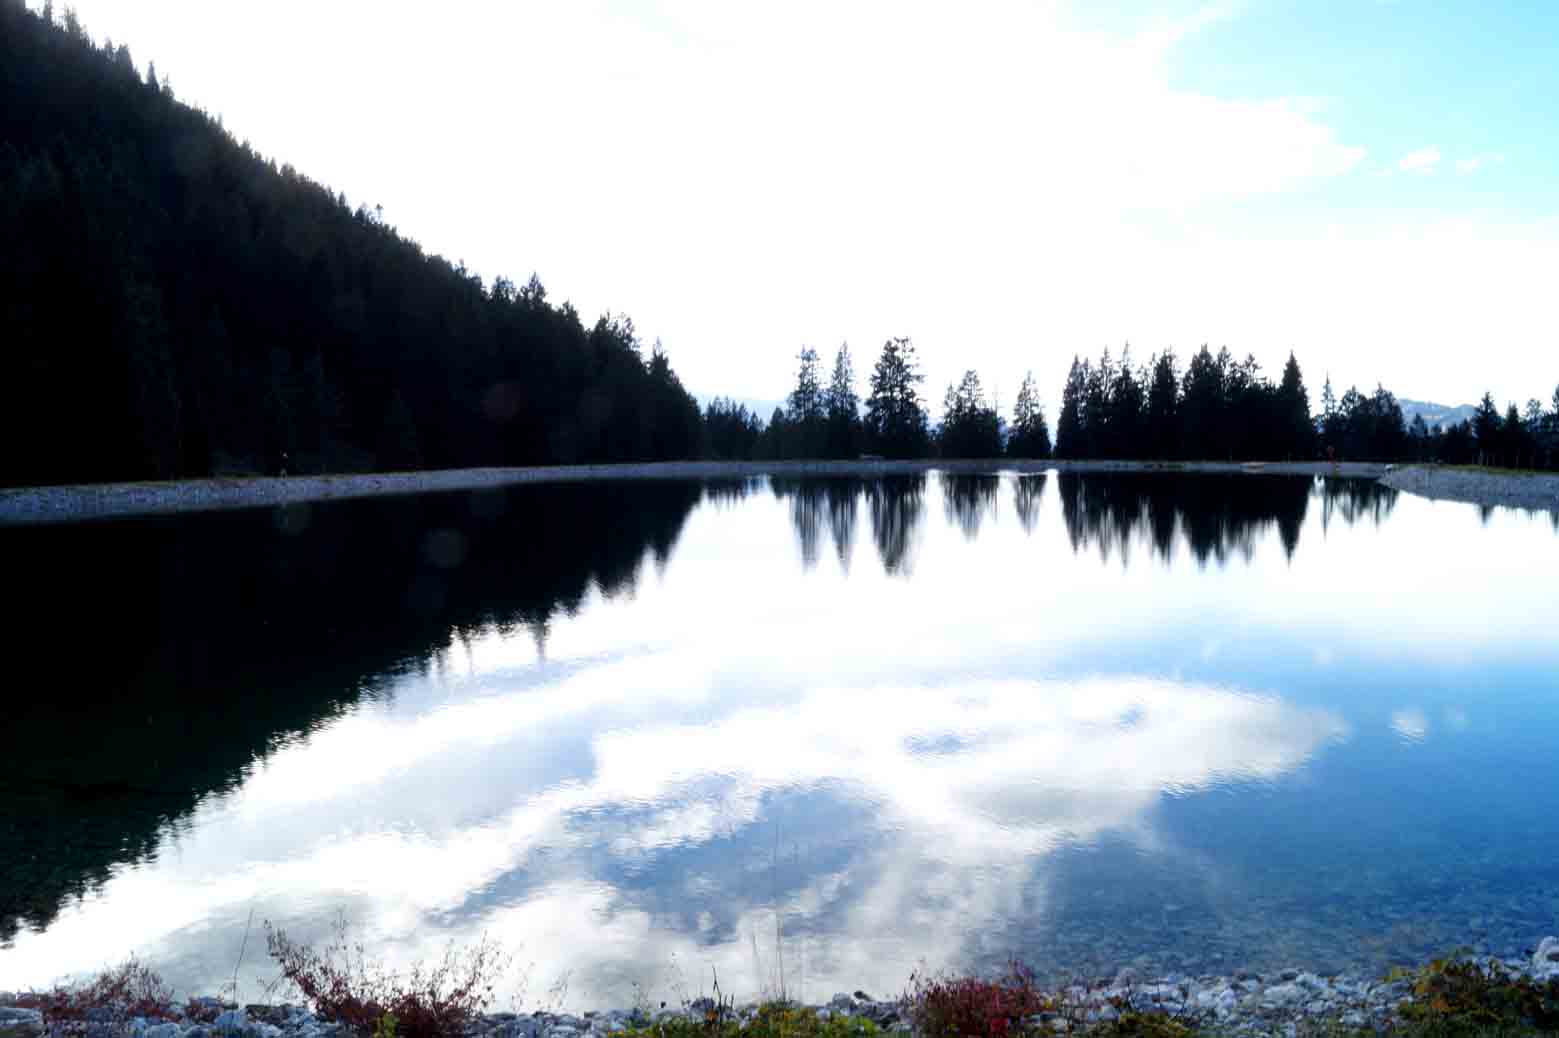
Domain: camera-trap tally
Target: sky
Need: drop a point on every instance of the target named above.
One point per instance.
(1366, 183)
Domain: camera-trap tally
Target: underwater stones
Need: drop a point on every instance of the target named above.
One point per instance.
(21, 1023)
(1545, 961)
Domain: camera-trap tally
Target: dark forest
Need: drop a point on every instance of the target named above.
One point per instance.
(177, 305)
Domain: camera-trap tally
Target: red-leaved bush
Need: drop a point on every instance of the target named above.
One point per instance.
(969, 1007)
(342, 984)
(126, 991)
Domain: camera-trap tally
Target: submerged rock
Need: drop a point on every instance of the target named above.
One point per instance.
(21, 1023)
(1545, 961)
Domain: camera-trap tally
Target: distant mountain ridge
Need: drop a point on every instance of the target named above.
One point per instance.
(1436, 416)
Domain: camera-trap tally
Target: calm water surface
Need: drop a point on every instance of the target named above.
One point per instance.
(829, 730)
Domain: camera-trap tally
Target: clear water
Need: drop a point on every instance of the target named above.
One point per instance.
(804, 735)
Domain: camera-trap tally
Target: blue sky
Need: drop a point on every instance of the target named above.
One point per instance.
(1007, 182)
(1475, 82)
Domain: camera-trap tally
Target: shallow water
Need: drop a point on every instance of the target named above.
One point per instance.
(802, 735)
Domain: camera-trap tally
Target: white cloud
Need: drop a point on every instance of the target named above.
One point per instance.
(1424, 160)
(1478, 162)
(1411, 724)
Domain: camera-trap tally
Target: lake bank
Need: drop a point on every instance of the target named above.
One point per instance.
(57, 504)
(1478, 486)
(1242, 1003)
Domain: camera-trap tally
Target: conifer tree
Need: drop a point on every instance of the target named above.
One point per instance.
(842, 408)
(1069, 426)
(1030, 436)
(896, 425)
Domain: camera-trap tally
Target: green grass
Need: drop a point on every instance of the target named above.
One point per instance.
(772, 1020)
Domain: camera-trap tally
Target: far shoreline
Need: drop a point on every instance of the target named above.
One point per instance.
(93, 501)
(1488, 488)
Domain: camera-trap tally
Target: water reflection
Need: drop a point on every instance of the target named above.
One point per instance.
(623, 731)
(215, 640)
(1027, 490)
(727, 493)
(1217, 517)
(1355, 499)
(808, 513)
(841, 495)
(894, 503)
(968, 499)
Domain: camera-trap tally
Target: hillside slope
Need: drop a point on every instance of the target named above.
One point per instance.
(173, 304)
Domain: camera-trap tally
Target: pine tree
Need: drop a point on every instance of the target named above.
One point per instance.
(1485, 425)
(970, 425)
(1201, 406)
(1030, 434)
(806, 407)
(1296, 431)
(1164, 407)
(1126, 411)
(1069, 427)
(896, 423)
(843, 409)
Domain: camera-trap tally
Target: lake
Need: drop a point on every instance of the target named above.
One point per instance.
(805, 735)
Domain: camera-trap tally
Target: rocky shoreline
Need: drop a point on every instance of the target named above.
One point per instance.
(60, 504)
(1488, 487)
(1245, 1003)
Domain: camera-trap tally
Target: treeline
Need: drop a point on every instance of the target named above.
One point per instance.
(1222, 409)
(1518, 439)
(173, 304)
(1216, 408)
(829, 421)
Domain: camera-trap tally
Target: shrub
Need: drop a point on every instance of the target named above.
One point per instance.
(1459, 996)
(343, 985)
(129, 990)
(960, 1007)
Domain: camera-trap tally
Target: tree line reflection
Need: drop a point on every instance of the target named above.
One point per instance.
(189, 650)
(171, 656)
(1216, 517)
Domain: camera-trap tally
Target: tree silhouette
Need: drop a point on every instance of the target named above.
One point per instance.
(1070, 440)
(1485, 426)
(896, 424)
(1030, 436)
(1163, 407)
(842, 408)
(970, 426)
(1296, 430)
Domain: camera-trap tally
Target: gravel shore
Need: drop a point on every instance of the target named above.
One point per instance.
(122, 500)
(1535, 490)
(1245, 1003)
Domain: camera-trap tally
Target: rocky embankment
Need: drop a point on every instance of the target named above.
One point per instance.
(1243, 1004)
(1535, 490)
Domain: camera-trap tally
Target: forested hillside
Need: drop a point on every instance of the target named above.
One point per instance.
(173, 304)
